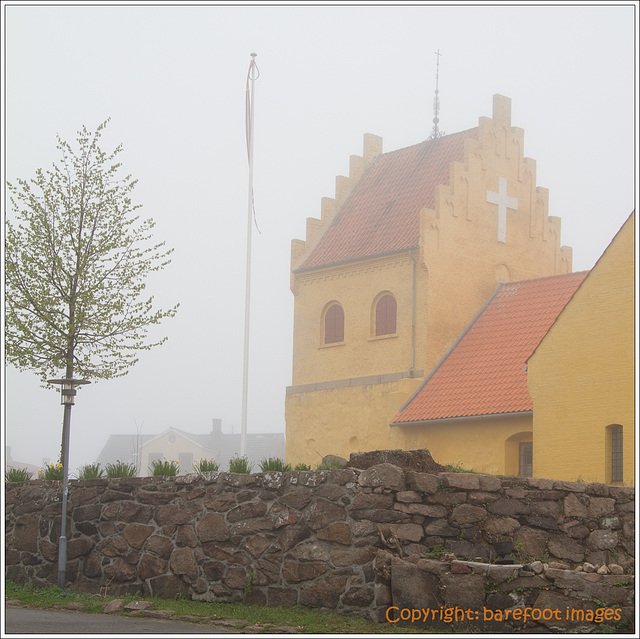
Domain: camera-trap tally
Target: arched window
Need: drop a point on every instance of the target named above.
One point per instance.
(386, 311)
(334, 324)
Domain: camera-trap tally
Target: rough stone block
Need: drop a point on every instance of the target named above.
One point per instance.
(352, 557)
(489, 483)
(441, 528)
(79, 548)
(367, 501)
(571, 486)
(467, 514)
(565, 548)
(166, 587)
(423, 482)
(480, 497)
(186, 537)
(321, 513)
(464, 591)
(151, 566)
(25, 535)
(236, 578)
(137, 534)
(404, 532)
(538, 521)
(182, 562)
(600, 507)
(501, 526)
(572, 610)
(603, 539)
(283, 597)
(115, 605)
(384, 475)
(381, 516)
(408, 496)
(120, 571)
(428, 510)
(172, 515)
(337, 532)
(359, 597)
(412, 587)
(161, 546)
(466, 481)
(323, 594)
(212, 528)
(546, 508)
(509, 507)
(219, 502)
(310, 551)
(297, 498)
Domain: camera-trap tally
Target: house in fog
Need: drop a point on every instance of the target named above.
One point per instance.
(187, 449)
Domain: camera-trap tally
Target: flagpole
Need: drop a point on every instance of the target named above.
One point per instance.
(247, 300)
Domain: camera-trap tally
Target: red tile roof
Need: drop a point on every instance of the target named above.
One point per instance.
(382, 213)
(483, 373)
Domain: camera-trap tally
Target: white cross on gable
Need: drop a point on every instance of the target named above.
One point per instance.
(504, 202)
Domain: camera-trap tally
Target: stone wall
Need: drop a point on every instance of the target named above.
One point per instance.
(471, 597)
(328, 539)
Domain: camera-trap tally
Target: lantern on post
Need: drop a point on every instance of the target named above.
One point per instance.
(67, 399)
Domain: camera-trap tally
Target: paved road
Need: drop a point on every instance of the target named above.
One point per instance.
(30, 621)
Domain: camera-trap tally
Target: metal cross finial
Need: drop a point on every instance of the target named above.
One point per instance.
(436, 133)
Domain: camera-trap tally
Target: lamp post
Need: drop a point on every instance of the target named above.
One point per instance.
(67, 396)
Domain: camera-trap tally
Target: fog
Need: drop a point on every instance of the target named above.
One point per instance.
(172, 80)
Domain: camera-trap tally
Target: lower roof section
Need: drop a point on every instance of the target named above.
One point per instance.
(485, 371)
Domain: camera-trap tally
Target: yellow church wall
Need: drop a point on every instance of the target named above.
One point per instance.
(334, 422)
(581, 376)
(486, 445)
(339, 421)
(356, 288)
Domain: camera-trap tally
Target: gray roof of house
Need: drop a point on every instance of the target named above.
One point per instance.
(225, 446)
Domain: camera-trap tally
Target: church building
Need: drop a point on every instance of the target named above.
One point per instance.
(582, 375)
(475, 407)
(400, 262)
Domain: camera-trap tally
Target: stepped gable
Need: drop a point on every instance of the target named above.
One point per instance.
(382, 213)
(484, 373)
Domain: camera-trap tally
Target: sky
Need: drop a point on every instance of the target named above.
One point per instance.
(172, 78)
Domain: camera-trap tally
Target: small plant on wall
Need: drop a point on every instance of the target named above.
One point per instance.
(164, 468)
(206, 466)
(90, 471)
(274, 463)
(120, 469)
(17, 474)
(51, 471)
(240, 465)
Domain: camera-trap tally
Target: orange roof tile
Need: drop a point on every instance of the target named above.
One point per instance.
(484, 372)
(382, 213)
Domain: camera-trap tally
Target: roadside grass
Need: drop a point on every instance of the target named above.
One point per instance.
(306, 621)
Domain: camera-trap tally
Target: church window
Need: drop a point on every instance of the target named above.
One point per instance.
(334, 324)
(386, 311)
(615, 433)
(526, 459)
